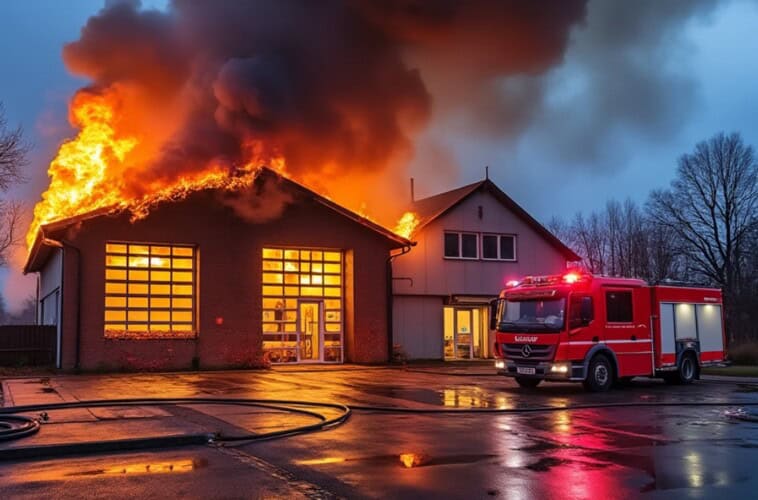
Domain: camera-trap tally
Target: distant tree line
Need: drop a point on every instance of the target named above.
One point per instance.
(702, 229)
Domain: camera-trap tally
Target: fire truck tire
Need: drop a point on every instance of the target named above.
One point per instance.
(686, 372)
(528, 382)
(600, 374)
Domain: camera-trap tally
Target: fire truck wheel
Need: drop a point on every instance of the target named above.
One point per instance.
(528, 382)
(686, 372)
(600, 374)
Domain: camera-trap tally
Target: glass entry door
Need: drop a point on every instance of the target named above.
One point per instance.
(311, 330)
(463, 333)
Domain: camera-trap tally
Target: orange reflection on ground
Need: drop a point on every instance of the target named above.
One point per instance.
(321, 461)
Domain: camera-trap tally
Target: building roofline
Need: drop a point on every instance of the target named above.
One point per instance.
(499, 194)
(32, 265)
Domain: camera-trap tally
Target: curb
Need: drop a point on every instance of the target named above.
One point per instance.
(118, 445)
(7, 395)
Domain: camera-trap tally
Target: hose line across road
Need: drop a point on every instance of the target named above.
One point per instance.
(14, 426)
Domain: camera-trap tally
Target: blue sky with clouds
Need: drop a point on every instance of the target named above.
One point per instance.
(575, 151)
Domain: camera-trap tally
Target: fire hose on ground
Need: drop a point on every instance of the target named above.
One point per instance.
(15, 426)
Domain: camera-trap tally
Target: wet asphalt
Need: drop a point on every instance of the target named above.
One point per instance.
(649, 452)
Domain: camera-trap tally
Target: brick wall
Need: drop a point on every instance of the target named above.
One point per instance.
(229, 282)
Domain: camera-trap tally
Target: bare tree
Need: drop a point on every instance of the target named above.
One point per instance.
(13, 151)
(712, 207)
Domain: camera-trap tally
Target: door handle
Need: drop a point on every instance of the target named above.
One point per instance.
(634, 337)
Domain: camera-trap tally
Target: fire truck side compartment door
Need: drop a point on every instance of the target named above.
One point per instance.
(668, 335)
(709, 328)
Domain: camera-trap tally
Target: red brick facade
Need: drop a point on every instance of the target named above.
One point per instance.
(228, 282)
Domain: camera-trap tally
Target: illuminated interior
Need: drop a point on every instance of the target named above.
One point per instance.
(302, 305)
(149, 289)
(464, 332)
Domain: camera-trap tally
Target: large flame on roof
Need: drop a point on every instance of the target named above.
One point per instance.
(85, 174)
(201, 93)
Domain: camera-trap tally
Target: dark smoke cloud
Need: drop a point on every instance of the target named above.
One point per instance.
(626, 76)
(336, 87)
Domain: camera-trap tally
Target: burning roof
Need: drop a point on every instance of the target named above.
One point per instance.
(329, 93)
(251, 185)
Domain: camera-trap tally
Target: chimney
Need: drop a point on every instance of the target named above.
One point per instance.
(413, 194)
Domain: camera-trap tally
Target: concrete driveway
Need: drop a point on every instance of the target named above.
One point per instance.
(613, 452)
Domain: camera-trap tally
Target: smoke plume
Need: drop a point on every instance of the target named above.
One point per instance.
(338, 89)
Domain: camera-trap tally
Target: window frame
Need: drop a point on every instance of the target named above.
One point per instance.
(460, 234)
(147, 333)
(631, 304)
(499, 237)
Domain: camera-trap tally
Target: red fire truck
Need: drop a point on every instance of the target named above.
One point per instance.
(600, 330)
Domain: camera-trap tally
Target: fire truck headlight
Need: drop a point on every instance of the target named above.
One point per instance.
(561, 368)
(500, 364)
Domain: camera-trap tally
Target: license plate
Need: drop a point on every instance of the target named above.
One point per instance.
(522, 370)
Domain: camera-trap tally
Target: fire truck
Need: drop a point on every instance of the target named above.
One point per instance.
(601, 330)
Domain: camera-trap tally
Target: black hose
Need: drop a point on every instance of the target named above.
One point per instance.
(16, 426)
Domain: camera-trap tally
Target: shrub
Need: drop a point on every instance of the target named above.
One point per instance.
(744, 354)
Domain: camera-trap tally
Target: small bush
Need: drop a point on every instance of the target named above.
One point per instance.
(744, 354)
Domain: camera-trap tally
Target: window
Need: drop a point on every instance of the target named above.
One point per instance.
(498, 247)
(149, 289)
(296, 282)
(618, 307)
(581, 312)
(461, 245)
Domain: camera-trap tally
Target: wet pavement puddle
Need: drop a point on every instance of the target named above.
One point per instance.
(405, 460)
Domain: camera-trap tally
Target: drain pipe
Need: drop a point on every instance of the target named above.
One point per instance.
(390, 317)
(64, 245)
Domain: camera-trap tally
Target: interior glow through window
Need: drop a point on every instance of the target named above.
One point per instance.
(149, 288)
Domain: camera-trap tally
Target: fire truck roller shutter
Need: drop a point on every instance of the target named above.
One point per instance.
(601, 349)
(709, 328)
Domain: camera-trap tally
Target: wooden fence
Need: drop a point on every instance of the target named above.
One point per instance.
(26, 345)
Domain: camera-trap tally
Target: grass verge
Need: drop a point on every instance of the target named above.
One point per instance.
(732, 371)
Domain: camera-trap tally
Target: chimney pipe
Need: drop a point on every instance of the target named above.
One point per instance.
(413, 194)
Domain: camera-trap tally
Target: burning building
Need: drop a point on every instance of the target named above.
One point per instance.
(160, 240)
(269, 270)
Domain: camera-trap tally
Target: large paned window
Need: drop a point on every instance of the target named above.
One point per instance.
(302, 305)
(461, 245)
(499, 247)
(150, 290)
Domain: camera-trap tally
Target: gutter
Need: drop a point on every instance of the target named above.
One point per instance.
(390, 301)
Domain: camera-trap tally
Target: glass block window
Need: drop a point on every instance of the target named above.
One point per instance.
(149, 289)
(291, 278)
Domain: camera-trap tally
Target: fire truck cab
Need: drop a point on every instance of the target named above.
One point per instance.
(599, 330)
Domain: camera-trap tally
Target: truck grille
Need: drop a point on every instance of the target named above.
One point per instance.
(539, 351)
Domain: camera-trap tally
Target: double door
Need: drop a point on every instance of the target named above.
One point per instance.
(464, 333)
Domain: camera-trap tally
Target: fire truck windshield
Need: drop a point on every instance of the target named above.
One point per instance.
(542, 315)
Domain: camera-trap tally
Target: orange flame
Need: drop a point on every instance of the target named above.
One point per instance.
(89, 171)
(78, 172)
(407, 224)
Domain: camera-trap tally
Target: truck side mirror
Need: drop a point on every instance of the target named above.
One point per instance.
(493, 314)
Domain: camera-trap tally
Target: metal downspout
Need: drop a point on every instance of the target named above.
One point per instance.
(390, 302)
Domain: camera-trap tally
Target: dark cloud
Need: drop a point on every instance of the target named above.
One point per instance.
(626, 76)
(335, 87)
